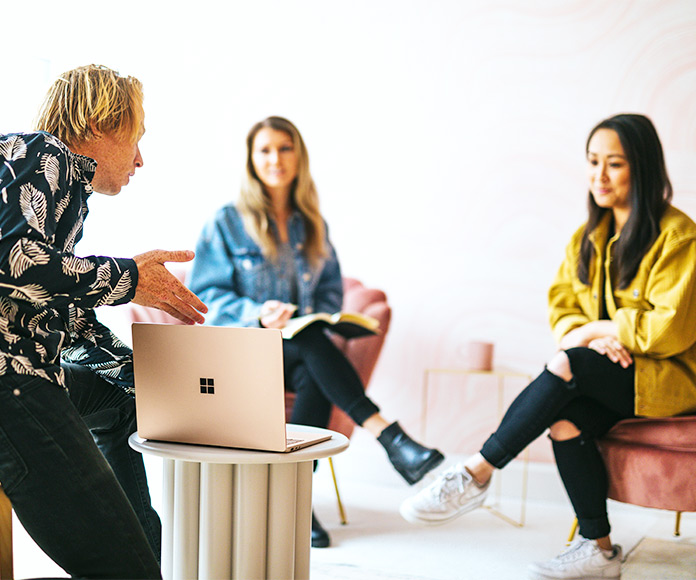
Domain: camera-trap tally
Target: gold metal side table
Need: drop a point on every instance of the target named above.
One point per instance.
(500, 374)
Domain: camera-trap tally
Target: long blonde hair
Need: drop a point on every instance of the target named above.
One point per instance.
(90, 98)
(254, 204)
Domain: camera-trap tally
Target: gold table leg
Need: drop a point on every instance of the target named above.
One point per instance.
(341, 511)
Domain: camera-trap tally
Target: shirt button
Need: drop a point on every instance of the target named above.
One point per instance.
(308, 310)
(298, 246)
(636, 293)
(306, 276)
(246, 264)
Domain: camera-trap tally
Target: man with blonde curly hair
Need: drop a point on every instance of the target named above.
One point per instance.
(66, 381)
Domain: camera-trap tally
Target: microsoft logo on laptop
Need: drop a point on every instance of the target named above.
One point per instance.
(207, 386)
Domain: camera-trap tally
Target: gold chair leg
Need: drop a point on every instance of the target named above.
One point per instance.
(573, 531)
(677, 525)
(6, 559)
(341, 511)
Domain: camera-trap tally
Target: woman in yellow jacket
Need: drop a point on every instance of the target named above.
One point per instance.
(623, 308)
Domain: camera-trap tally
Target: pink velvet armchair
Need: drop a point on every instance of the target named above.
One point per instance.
(652, 463)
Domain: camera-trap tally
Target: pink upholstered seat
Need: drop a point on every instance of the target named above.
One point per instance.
(652, 462)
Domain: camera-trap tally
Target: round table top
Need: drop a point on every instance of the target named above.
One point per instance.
(210, 454)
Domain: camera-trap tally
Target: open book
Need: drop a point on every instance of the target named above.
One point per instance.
(347, 324)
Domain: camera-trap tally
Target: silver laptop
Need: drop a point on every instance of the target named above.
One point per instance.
(213, 385)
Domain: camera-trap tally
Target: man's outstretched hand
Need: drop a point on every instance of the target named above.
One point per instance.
(159, 288)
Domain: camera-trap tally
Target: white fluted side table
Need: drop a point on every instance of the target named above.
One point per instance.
(238, 514)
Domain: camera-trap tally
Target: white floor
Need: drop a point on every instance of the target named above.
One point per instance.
(378, 544)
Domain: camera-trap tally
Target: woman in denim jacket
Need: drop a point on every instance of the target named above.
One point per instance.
(268, 257)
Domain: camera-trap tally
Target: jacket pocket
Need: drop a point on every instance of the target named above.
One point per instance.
(253, 273)
(586, 297)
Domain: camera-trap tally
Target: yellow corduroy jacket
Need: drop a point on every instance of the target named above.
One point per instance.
(655, 314)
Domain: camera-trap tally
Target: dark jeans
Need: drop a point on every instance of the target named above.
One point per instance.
(322, 376)
(600, 394)
(61, 486)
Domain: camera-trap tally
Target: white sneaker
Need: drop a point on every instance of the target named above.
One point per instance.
(583, 560)
(452, 494)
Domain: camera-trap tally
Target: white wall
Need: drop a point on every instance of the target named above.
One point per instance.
(446, 138)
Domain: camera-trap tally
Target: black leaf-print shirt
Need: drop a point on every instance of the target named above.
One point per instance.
(47, 293)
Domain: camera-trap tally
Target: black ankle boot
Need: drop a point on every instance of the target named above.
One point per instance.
(320, 537)
(409, 458)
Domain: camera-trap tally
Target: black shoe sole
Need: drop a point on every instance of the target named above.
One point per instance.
(320, 537)
(414, 477)
(321, 542)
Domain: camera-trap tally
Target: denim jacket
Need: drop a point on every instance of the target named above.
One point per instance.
(233, 278)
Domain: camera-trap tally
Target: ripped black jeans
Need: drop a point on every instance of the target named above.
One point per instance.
(600, 394)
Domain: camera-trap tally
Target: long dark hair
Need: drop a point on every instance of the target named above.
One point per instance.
(649, 196)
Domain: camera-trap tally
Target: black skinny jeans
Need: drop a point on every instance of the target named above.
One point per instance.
(92, 517)
(321, 376)
(600, 394)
